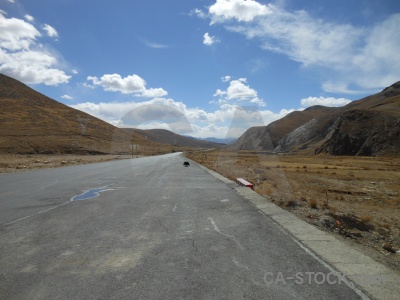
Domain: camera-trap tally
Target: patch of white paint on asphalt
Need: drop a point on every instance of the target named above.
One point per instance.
(238, 264)
(39, 213)
(226, 235)
(48, 185)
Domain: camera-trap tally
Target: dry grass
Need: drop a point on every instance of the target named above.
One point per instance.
(313, 203)
(362, 191)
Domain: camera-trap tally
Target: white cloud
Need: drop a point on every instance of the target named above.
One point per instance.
(241, 10)
(29, 18)
(359, 56)
(340, 87)
(23, 57)
(325, 101)
(375, 65)
(89, 86)
(16, 34)
(154, 45)
(51, 31)
(227, 121)
(209, 39)
(199, 13)
(132, 84)
(239, 91)
(74, 71)
(67, 97)
(226, 78)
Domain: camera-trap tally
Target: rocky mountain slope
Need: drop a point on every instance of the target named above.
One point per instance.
(267, 137)
(369, 126)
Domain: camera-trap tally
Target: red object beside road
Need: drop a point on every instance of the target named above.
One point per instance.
(245, 183)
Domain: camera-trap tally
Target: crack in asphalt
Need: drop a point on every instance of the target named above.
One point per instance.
(162, 225)
(194, 245)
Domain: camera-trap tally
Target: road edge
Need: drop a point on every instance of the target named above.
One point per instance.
(368, 278)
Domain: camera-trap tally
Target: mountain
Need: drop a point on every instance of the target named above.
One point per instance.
(369, 126)
(168, 137)
(226, 141)
(267, 137)
(33, 123)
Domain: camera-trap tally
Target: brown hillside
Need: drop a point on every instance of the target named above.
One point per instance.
(369, 126)
(364, 132)
(33, 123)
(267, 137)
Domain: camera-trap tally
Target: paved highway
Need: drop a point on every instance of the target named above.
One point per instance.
(146, 228)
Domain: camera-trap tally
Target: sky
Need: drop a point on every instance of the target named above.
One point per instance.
(205, 68)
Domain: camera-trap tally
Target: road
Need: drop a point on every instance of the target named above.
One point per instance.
(153, 229)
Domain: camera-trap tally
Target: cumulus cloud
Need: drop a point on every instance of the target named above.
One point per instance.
(67, 97)
(16, 34)
(238, 90)
(29, 18)
(51, 31)
(325, 101)
(241, 10)
(360, 56)
(209, 40)
(23, 57)
(226, 78)
(132, 84)
(227, 121)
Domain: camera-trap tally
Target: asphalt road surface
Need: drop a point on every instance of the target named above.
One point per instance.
(146, 228)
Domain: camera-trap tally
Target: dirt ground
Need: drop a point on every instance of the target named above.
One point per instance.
(17, 162)
(355, 198)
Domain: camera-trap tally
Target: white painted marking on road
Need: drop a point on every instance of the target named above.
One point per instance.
(39, 213)
(46, 186)
(175, 207)
(350, 284)
(238, 264)
(226, 235)
(225, 200)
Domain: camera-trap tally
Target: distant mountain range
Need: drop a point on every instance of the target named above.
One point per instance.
(226, 141)
(369, 126)
(164, 136)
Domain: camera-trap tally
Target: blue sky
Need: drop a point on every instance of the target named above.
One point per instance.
(210, 61)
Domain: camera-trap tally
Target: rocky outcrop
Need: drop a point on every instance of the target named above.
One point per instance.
(363, 132)
(369, 126)
(266, 138)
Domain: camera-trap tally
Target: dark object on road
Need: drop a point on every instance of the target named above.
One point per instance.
(186, 164)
